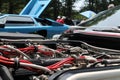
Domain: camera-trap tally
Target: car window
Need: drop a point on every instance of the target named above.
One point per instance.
(108, 18)
(47, 22)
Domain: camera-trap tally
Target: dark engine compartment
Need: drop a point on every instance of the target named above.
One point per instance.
(39, 59)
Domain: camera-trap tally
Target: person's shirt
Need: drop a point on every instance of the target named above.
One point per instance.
(58, 20)
(62, 21)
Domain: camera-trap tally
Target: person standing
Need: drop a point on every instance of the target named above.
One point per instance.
(58, 19)
(62, 20)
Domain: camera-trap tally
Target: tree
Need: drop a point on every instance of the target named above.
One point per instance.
(12, 6)
(56, 7)
(100, 5)
(69, 4)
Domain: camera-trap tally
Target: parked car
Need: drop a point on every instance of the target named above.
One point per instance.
(29, 21)
(28, 24)
(102, 30)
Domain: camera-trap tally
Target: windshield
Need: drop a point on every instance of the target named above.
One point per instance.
(105, 18)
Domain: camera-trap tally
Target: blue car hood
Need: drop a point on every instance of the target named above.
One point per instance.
(35, 8)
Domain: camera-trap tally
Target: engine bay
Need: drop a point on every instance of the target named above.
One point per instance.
(53, 59)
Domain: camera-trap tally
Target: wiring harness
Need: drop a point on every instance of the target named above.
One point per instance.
(43, 61)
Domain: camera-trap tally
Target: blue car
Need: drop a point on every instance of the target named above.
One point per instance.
(28, 21)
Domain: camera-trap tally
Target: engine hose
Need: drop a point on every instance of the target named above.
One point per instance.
(23, 64)
(35, 66)
(58, 41)
(44, 62)
(20, 52)
(111, 61)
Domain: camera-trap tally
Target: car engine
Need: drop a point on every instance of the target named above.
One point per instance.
(53, 59)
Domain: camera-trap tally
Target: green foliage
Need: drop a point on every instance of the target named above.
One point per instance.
(56, 8)
(12, 6)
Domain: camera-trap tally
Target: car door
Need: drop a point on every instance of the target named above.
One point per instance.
(52, 27)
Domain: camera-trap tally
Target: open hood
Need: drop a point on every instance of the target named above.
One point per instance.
(35, 8)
